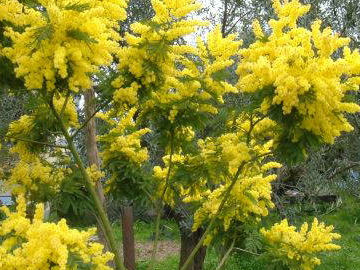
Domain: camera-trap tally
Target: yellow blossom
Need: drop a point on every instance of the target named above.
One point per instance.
(37, 244)
(299, 249)
(295, 70)
(53, 44)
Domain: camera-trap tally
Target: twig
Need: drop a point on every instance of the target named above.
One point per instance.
(88, 120)
(36, 142)
(158, 217)
(65, 103)
(344, 169)
(244, 250)
(226, 256)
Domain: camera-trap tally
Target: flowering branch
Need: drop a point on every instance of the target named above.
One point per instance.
(89, 185)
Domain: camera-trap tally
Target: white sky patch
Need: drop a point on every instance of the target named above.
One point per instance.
(214, 12)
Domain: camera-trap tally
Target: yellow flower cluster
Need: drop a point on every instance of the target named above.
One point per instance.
(14, 12)
(298, 70)
(167, 10)
(200, 81)
(94, 173)
(166, 187)
(122, 142)
(163, 75)
(248, 200)
(36, 244)
(34, 171)
(67, 110)
(30, 175)
(55, 46)
(298, 249)
(150, 55)
(184, 133)
(241, 155)
(227, 149)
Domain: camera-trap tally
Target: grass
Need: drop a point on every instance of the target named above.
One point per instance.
(144, 231)
(345, 219)
(169, 263)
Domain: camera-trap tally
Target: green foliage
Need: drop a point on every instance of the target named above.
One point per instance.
(8, 79)
(74, 261)
(81, 36)
(78, 7)
(42, 33)
(72, 201)
(131, 181)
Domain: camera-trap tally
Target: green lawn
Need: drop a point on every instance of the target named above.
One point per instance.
(144, 232)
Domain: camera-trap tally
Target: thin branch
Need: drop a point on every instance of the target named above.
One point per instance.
(344, 169)
(89, 119)
(36, 142)
(232, 27)
(225, 17)
(247, 251)
(65, 103)
(226, 256)
(235, 23)
(160, 207)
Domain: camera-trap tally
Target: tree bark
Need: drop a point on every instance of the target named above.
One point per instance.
(91, 145)
(188, 242)
(128, 237)
(92, 152)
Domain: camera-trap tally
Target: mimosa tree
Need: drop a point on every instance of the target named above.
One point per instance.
(295, 86)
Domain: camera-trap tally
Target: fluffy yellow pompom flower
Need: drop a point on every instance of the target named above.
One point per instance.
(122, 142)
(32, 175)
(36, 244)
(94, 173)
(67, 109)
(298, 249)
(295, 70)
(54, 46)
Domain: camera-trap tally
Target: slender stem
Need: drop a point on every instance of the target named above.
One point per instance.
(65, 103)
(212, 222)
(247, 251)
(226, 256)
(355, 164)
(36, 142)
(224, 19)
(160, 207)
(90, 187)
(156, 240)
(88, 120)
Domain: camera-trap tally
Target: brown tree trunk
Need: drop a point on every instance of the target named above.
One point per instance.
(188, 242)
(91, 146)
(93, 152)
(128, 237)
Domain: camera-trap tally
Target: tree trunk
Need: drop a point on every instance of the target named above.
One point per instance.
(92, 152)
(128, 237)
(91, 145)
(188, 242)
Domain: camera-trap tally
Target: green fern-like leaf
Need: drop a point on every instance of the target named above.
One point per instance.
(43, 33)
(78, 7)
(75, 262)
(80, 35)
